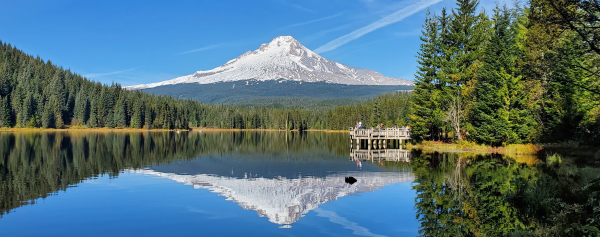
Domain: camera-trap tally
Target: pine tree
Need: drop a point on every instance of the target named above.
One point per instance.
(58, 112)
(148, 117)
(4, 112)
(166, 120)
(5, 86)
(28, 119)
(110, 119)
(93, 120)
(490, 115)
(422, 105)
(48, 116)
(462, 47)
(105, 108)
(120, 116)
(79, 108)
(136, 120)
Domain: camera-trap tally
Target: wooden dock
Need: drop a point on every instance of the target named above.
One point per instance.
(377, 138)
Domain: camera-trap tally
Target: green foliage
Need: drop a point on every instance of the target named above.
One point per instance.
(381, 109)
(527, 76)
(5, 118)
(499, 115)
(554, 159)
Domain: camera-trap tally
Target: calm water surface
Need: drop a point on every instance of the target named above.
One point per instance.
(228, 184)
(244, 183)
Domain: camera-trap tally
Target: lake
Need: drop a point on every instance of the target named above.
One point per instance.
(263, 184)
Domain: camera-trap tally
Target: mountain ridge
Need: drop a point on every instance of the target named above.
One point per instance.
(284, 58)
(277, 91)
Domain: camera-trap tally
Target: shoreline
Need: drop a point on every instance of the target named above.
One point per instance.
(10, 130)
(509, 150)
(199, 129)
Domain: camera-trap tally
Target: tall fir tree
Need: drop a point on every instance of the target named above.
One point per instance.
(120, 116)
(462, 47)
(422, 104)
(490, 115)
(136, 120)
(148, 117)
(5, 119)
(93, 120)
(78, 109)
(48, 116)
(28, 119)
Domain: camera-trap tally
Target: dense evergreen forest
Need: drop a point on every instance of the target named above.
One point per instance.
(524, 75)
(35, 93)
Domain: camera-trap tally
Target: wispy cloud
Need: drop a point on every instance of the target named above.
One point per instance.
(302, 8)
(324, 32)
(415, 32)
(96, 75)
(313, 21)
(295, 6)
(200, 49)
(335, 218)
(393, 18)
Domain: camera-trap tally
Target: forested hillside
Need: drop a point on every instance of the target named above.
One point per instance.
(263, 92)
(524, 75)
(37, 93)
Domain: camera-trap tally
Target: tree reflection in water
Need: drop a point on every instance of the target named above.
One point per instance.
(491, 195)
(38, 164)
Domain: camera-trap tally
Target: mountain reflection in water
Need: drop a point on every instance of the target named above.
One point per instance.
(285, 200)
(280, 175)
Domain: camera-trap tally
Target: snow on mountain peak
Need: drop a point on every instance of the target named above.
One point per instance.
(283, 58)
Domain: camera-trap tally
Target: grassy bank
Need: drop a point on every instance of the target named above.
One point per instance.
(464, 146)
(570, 149)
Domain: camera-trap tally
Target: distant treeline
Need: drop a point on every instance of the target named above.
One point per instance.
(35, 93)
(527, 74)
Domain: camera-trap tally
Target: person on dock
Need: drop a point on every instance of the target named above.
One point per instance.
(358, 125)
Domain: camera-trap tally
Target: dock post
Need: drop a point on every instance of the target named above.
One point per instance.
(384, 144)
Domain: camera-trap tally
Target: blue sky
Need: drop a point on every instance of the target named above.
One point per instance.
(135, 42)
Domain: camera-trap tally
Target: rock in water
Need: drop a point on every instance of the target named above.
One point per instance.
(351, 180)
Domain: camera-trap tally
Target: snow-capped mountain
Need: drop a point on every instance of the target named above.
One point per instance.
(283, 201)
(283, 58)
